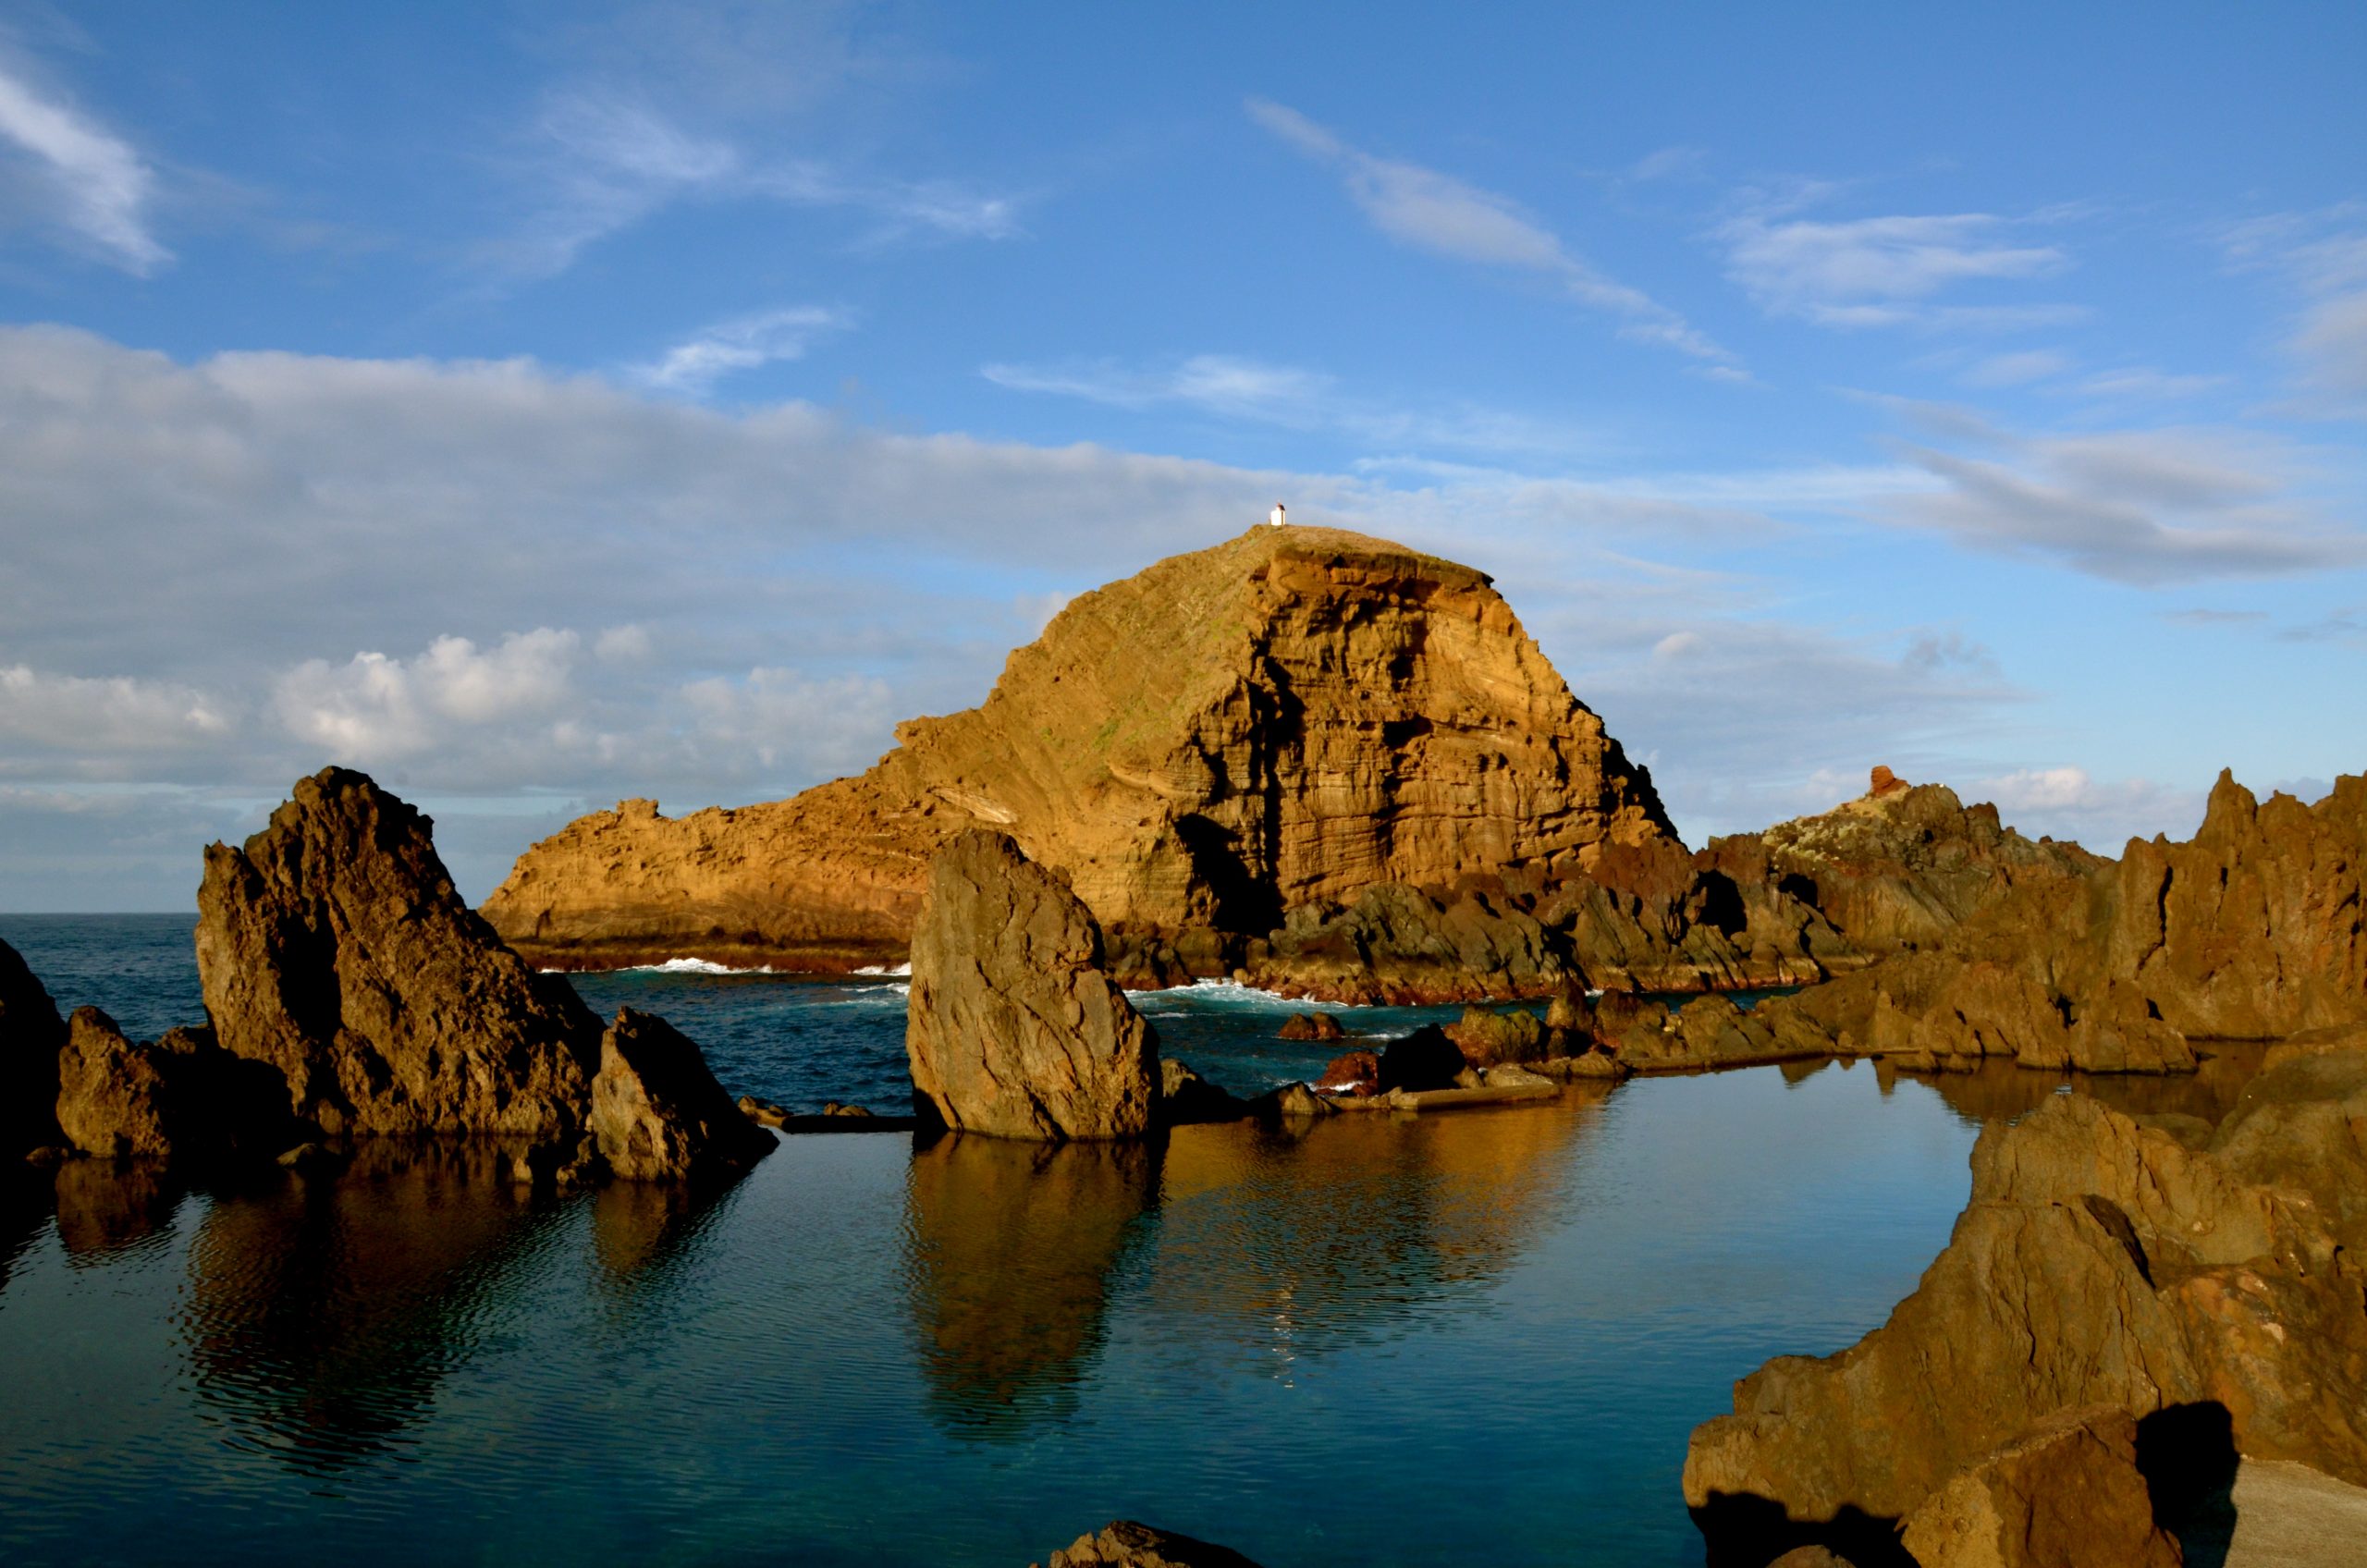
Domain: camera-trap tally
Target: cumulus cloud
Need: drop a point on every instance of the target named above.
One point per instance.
(1435, 211)
(2139, 506)
(81, 714)
(695, 364)
(1881, 272)
(87, 183)
(2066, 803)
(373, 708)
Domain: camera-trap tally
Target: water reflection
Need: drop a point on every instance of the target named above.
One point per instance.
(1346, 1233)
(322, 1313)
(644, 1233)
(1999, 1091)
(1008, 1251)
(25, 1203)
(104, 1211)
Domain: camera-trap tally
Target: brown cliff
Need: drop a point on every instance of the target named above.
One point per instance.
(1283, 721)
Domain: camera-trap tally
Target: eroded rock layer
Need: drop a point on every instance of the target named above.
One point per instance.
(1284, 722)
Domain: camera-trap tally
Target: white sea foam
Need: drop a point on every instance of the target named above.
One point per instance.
(883, 969)
(695, 966)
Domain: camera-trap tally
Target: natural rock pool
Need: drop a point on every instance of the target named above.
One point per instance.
(1473, 1336)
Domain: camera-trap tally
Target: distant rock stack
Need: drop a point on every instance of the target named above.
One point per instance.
(1014, 1029)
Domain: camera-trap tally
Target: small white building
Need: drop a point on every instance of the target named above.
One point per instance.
(1275, 518)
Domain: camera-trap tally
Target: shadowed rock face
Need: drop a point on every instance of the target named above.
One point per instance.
(30, 1033)
(2161, 1270)
(1284, 720)
(182, 1097)
(1014, 1029)
(334, 947)
(658, 1113)
(2067, 1492)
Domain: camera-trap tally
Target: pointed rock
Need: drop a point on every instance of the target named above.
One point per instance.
(1015, 1029)
(657, 1113)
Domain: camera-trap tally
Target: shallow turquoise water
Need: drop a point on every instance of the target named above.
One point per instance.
(1388, 1341)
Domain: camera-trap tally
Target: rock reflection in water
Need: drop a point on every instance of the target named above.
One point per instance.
(104, 1210)
(1999, 1091)
(1341, 1235)
(644, 1232)
(324, 1312)
(1009, 1248)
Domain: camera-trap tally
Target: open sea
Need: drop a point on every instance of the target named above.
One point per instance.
(1474, 1336)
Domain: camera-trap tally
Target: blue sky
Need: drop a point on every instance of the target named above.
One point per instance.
(540, 404)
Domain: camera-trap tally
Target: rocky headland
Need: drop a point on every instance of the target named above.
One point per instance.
(1323, 763)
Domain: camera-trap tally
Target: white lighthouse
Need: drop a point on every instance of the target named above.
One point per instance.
(1274, 518)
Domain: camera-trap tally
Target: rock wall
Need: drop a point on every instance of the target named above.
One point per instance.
(30, 1033)
(1283, 721)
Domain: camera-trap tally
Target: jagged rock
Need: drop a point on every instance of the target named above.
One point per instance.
(2066, 1493)
(2102, 1260)
(1283, 720)
(1185, 1098)
(1295, 1101)
(1319, 1027)
(1398, 945)
(1126, 1544)
(30, 1033)
(1357, 1072)
(763, 1113)
(2118, 1030)
(1489, 1038)
(1014, 1028)
(335, 948)
(657, 1113)
(182, 1097)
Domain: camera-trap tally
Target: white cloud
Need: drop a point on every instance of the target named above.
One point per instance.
(90, 182)
(81, 714)
(2143, 383)
(374, 708)
(1878, 272)
(2014, 370)
(1435, 211)
(694, 366)
(2322, 255)
(2066, 804)
(2138, 507)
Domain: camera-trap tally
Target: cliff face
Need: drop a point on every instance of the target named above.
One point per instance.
(1282, 721)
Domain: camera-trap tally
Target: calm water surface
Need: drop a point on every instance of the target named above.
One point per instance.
(1384, 1340)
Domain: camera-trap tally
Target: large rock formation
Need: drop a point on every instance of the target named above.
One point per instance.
(2206, 1281)
(1280, 722)
(1014, 1028)
(359, 997)
(30, 1033)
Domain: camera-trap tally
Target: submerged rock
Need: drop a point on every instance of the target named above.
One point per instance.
(1014, 1027)
(2199, 1279)
(334, 947)
(30, 1033)
(1126, 1544)
(658, 1113)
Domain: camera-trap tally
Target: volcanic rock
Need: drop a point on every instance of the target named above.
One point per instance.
(1357, 1072)
(658, 1113)
(182, 1097)
(1014, 1028)
(1489, 1038)
(2186, 1275)
(1311, 1026)
(1423, 1060)
(2067, 1493)
(334, 947)
(30, 1033)
(1129, 1545)
(1185, 1098)
(1282, 722)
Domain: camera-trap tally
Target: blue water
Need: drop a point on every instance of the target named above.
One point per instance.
(1388, 1340)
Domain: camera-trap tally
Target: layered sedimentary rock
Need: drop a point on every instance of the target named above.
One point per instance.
(1014, 1028)
(30, 1033)
(1283, 721)
(2207, 1282)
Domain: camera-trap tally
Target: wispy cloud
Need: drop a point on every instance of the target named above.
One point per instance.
(2323, 256)
(2016, 370)
(1436, 212)
(605, 160)
(2145, 384)
(2138, 507)
(1290, 398)
(695, 364)
(89, 183)
(1883, 271)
